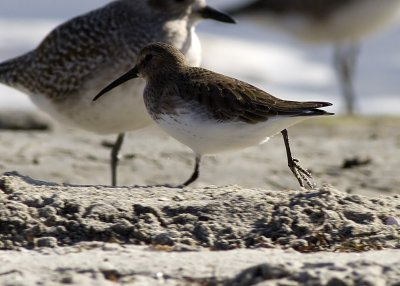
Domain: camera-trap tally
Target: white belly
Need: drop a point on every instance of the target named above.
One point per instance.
(211, 137)
(120, 110)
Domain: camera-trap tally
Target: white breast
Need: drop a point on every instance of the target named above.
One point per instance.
(193, 52)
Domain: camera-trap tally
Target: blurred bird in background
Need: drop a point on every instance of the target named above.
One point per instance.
(342, 23)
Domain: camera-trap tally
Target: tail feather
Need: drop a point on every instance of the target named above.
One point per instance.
(305, 108)
(304, 105)
(311, 108)
(315, 112)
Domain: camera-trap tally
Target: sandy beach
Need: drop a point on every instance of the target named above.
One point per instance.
(354, 155)
(244, 222)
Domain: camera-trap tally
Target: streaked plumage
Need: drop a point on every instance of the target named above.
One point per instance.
(210, 112)
(77, 58)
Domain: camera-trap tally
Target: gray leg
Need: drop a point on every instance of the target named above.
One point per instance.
(299, 172)
(114, 158)
(345, 57)
(195, 173)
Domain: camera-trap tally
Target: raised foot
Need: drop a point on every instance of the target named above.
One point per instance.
(301, 174)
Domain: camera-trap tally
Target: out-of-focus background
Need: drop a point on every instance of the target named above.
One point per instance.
(267, 58)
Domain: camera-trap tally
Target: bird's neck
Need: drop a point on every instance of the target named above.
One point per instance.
(165, 76)
(183, 36)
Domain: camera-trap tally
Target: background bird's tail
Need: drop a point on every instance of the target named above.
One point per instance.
(9, 71)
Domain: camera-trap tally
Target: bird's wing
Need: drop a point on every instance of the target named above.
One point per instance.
(227, 98)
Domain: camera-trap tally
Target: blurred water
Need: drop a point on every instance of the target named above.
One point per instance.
(273, 61)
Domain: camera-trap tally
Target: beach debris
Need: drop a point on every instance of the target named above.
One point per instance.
(356, 161)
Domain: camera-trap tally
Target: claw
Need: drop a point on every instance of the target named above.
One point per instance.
(301, 174)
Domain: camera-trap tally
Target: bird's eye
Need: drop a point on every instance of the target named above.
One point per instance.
(148, 58)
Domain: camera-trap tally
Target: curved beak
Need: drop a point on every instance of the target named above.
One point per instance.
(133, 73)
(211, 13)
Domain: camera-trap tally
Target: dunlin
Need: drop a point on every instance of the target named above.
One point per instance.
(343, 23)
(82, 55)
(210, 112)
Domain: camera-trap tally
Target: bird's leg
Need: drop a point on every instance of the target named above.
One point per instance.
(345, 57)
(114, 158)
(299, 172)
(195, 173)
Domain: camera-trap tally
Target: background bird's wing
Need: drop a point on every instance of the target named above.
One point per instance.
(80, 49)
(230, 99)
(312, 8)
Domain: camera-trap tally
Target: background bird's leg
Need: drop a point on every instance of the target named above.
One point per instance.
(345, 57)
(114, 158)
(299, 172)
(195, 174)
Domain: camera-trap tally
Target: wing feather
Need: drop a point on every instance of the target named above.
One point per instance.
(227, 98)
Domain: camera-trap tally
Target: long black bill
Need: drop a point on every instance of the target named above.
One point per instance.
(133, 73)
(211, 13)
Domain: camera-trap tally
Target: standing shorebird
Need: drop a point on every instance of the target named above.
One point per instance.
(343, 23)
(212, 113)
(80, 56)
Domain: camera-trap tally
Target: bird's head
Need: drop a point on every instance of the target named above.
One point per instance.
(153, 61)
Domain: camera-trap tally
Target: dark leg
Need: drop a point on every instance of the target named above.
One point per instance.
(300, 173)
(114, 158)
(345, 57)
(195, 174)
